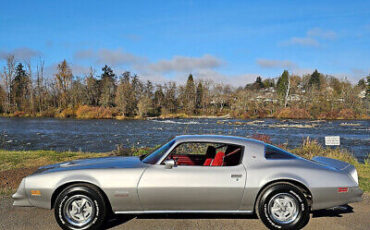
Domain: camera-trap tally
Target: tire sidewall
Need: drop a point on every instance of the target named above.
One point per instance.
(98, 202)
(303, 208)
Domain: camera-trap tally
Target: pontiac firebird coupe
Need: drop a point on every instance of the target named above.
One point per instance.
(193, 174)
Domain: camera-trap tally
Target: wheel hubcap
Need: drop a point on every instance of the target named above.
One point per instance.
(79, 210)
(283, 208)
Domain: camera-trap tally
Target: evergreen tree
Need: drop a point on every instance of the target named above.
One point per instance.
(315, 79)
(199, 96)
(282, 83)
(258, 84)
(190, 95)
(107, 87)
(20, 91)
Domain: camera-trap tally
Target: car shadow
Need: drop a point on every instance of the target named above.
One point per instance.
(333, 212)
(116, 220)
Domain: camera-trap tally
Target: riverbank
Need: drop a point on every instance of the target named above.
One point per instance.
(89, 112)
(14, 165)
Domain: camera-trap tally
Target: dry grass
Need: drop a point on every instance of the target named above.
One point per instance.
(27, 159)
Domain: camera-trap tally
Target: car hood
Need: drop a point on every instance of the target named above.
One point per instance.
(93, 163)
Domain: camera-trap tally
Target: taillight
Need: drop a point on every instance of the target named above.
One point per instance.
(343, 189)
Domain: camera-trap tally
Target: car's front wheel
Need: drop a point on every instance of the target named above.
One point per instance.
(80, 206)
(283, 206)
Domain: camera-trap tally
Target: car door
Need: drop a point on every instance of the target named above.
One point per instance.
(192, 187)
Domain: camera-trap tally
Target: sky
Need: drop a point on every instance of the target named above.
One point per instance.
(224, 41)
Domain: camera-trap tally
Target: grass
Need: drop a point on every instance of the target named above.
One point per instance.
(29, 159)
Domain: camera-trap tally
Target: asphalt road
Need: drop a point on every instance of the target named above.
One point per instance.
(357, 216)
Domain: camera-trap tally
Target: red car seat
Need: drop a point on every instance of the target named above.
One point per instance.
(219, 159)
(210, 154)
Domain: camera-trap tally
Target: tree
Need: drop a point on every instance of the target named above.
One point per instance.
(315, 79)
(20, 88)
(258, 83)
(189, 96)
(170, 100)
(159, 99)
(2, 99)
(7, 76)
(125, 96)
(283, 86)
(144, 106)
(40, 89)
(107, 87)
(92, 89)
(199, 96)
(63, 79)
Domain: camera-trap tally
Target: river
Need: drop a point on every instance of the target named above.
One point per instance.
(104, 135)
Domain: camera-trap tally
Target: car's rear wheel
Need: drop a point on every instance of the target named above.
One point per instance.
(80, 206)
(283, 206)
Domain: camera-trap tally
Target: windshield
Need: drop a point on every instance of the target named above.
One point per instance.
(157, 154)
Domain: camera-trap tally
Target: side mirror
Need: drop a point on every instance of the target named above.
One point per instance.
(169, 164)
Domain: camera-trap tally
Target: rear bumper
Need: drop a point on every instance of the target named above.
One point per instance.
(20, 197)
(330, 197)
(355, 195)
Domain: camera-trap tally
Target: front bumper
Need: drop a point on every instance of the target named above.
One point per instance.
(20, 197)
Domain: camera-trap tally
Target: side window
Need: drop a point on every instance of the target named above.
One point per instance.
(272, 152)
(206, 154)
(191, 148)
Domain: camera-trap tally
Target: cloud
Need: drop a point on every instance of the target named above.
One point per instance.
(233, 79)
(115, 57)
(305, 41)
(132, 37)
(312, 38)
(274, 64)
(317, 32)
(22, 53)
(186, 64)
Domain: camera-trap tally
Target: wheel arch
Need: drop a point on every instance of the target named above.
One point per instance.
(65, 185)
(307, 193)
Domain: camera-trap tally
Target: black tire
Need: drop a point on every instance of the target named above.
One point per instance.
(80, 193)
(264, 207)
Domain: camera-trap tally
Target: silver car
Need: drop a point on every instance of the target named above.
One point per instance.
(193, 174)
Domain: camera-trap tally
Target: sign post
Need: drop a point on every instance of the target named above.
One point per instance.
(332, 140)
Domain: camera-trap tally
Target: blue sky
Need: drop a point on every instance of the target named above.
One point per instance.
(229, 41)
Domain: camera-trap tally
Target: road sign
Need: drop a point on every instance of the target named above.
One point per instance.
(332, 140)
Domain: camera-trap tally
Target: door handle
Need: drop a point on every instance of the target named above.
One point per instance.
(236, 175)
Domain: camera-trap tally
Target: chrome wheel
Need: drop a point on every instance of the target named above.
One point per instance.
(79, 210)
(283, 208)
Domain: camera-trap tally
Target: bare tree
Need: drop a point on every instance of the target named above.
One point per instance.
(7, 77)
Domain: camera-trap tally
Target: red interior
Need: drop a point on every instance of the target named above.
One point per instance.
(231, 157)
(207, 162)
(219, 159)
(189, 159)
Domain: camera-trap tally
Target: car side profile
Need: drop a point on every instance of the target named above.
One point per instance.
(193, 174)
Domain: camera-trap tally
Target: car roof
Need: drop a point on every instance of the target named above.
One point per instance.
(217, 138)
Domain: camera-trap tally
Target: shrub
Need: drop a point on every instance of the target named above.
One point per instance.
(346, 114)
(66, 113)
(19, 114)
(89, 112)
(293, 113)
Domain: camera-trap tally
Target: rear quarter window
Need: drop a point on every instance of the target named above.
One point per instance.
(272, 152)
